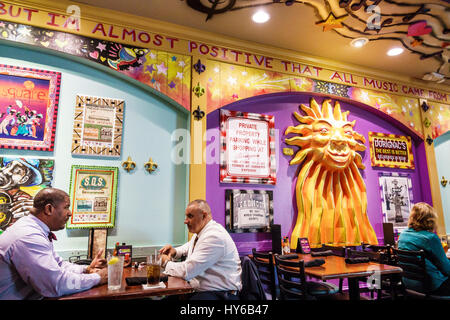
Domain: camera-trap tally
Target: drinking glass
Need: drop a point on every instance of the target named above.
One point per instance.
(444, 243)
(115, 270)
(153, 269)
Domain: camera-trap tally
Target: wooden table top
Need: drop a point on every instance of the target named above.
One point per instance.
(336, 268)
(173, 286)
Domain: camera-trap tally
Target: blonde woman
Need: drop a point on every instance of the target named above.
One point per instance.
(420, 235)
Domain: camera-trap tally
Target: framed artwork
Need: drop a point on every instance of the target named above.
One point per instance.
(396, 198)
(97, 126)
(247, 153)
(248, 210)
(28, 108)
(390, 150)
(20, 180)
(93, 192)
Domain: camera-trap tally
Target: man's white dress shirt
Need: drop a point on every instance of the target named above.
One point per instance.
(213, 265)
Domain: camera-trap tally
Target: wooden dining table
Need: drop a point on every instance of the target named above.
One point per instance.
(336, 268)
(173, 286)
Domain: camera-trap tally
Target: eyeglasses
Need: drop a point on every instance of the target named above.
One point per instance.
(73, 259)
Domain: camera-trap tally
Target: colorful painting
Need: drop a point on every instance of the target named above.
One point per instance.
(165, 72)
(97, 127)
(20, 180)
(396, 198)
(93, 196)
(28, 108)
(390, 150)
(247, 148)
(248, 210)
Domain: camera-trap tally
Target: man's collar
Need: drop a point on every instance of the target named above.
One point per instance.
(204, 227)
(40, 223)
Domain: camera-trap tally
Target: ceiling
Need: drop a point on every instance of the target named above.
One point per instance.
(298, 27)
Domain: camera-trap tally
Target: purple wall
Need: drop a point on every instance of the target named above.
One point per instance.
(282, 107)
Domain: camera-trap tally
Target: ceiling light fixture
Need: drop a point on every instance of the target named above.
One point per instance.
(261, 16)
(359, 42)
(395, 51)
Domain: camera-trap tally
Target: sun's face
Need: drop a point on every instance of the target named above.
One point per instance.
(335, 142)
(328, 136)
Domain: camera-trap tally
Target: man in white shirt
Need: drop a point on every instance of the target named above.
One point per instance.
(212, 264)
(29, 266)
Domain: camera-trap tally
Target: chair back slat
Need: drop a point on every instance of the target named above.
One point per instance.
(291, 278)
(413, 266)
(266, 269)
(337, 251)
(373, 256)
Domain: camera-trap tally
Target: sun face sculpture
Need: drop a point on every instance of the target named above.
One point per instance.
(330, 192)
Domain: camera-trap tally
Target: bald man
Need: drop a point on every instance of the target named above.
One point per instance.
(212, 264)
(29, 266)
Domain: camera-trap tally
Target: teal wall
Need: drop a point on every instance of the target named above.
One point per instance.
(442, 149)
(150, 207)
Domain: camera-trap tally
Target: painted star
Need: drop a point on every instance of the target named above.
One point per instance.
(365, 96)
(152, 56)
(150, 68)
(161, 68)
(101, 47)
(216, 70)
(179, 75)
(331, 22)
(182, 63)
(172, 85)
(244, 73)
(232, 81)
(25, 32)
(174, 58)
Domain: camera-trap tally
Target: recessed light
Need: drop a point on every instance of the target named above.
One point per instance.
(359, 42)
(261, 16)
(395, 51)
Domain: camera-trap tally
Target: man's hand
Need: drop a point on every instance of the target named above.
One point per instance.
(168, 250)
(164, 259)
(103, 273)
(97, 263)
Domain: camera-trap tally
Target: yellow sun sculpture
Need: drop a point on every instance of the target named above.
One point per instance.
(330, 192)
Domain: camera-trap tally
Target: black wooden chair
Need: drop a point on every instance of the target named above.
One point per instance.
(413, 264)
(266, 269)
(373, 257)
(293, 284)
(391, 285)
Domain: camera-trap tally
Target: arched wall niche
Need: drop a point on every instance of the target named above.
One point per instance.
(282, 106)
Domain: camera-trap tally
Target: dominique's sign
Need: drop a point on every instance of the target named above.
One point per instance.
(390, 150)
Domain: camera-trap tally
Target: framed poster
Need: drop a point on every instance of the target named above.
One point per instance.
(97, 126)
(390, 150)
(247, 153)
(93, 192)
(20, 180)
(248, 210)
(396, 198)
(28, 108)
